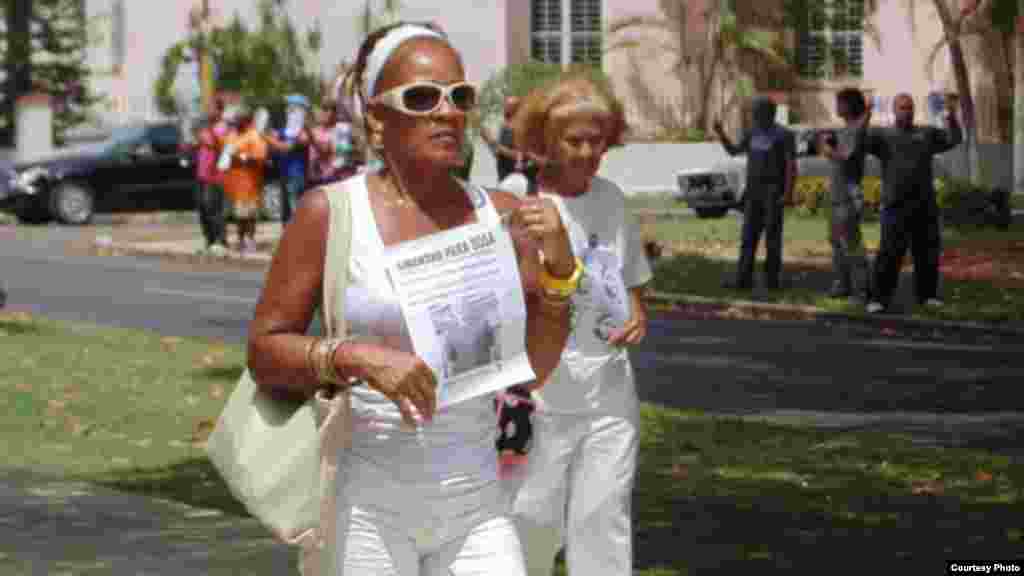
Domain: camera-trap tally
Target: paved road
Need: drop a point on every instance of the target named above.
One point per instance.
(938, 388)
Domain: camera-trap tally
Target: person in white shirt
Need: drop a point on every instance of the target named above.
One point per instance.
(577, 482)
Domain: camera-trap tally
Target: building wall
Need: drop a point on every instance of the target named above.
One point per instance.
(152, 27)
(898, 61)
(493, 34)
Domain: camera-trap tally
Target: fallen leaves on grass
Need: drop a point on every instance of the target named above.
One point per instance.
(928, 487)
(202, 431)
(170, 342)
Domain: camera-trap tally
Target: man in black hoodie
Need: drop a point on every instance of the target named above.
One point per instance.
(771, 173)
(909, 207)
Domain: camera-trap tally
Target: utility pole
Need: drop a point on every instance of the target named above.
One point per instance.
(18, 14)
(1018, 102)
(203, 49)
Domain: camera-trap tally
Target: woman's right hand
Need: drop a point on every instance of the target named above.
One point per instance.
(403, 378)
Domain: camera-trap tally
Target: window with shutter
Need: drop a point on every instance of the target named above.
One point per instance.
(546, 31)
(575, 38)
(586, 31)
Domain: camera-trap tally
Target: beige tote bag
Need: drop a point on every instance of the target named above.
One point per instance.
(280, 459)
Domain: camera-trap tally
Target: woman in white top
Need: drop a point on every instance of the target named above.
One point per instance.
(578, 477)
(417, 490)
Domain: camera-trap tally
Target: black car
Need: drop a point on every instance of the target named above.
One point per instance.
(138, 167)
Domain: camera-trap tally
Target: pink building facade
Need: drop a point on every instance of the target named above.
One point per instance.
(132, 36)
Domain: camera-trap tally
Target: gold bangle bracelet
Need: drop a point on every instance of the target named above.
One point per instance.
(319, 360)
(310, 360)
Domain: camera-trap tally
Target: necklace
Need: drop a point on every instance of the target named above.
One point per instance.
(401, 198)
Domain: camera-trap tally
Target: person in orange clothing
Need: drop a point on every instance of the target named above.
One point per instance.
(243, 181)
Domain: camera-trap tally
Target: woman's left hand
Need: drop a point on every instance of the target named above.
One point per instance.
(633, 331)
(539, 217)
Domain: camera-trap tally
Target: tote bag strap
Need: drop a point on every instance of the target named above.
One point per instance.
(336, 262)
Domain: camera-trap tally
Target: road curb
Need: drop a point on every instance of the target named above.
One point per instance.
(815, 313)
(188, 249)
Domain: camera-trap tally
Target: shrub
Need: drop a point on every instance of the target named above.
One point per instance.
(812, 194)
(519, 80)
(964, 204)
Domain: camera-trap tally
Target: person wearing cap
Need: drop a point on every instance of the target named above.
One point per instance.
(292, 144)
(771, 175)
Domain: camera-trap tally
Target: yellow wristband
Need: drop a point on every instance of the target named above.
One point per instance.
(561, 287)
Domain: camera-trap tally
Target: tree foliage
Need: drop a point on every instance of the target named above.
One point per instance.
(262, 64)
(520, 79)
(49, 55)
(706, 56)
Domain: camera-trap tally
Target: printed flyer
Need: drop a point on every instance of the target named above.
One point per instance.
(462, 299)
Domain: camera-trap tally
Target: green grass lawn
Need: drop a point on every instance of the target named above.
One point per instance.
(713, 494)
(703, 253)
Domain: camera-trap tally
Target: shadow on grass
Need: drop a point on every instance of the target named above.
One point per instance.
(193, 481)
(723, 496)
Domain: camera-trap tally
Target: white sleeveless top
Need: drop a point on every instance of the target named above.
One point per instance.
(450, 462)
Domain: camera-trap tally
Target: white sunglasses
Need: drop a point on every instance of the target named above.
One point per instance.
(423, 98)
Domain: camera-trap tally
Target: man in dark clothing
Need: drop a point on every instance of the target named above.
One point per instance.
(847, 156)
(505, 154)
(909, 207)
(771, 173)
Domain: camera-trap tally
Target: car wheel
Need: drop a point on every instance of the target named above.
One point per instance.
(72, 203)
(272, 201)
(710, 212)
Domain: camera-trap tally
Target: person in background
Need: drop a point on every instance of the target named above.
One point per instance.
(910, 211)
(507, 157)
(325, 165)
(345, 157)
(771, 175)
(578, 478)
(292, 143)
(847, 155)
(209, 185)
(463, 172)
(247, 150)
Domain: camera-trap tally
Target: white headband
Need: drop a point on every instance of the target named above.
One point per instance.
(386, 46)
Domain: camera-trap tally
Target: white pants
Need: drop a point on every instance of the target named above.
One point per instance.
(369, 545)
(576, 490)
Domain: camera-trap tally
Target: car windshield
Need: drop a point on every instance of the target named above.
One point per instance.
(121, 138)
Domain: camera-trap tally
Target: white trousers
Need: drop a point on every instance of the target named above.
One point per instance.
(576, 491)
(370, 545)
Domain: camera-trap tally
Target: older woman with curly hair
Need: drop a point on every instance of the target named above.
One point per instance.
(578, 477)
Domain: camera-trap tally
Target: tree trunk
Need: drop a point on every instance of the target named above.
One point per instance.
(1018, 104)
(951, 29)
(19, 63)
(967, 110)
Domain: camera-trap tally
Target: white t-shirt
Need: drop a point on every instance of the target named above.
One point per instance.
(593, 376)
